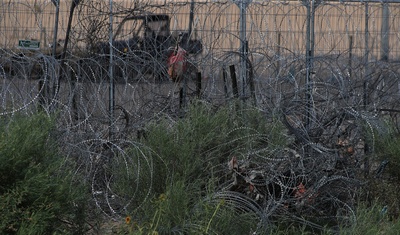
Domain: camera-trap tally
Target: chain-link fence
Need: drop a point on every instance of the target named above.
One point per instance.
(105, 66)
(270, 25)
(271, 46)
(274, 32)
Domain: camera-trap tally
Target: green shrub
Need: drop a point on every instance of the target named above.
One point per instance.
(371, 220)
(186, 161)
(36, 196)
(193, 147)
(383, 182)
(388, 148)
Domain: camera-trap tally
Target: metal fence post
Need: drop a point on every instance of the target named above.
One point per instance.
(110, 73)
(54, 51)
(242, 4)
(366, 57)
(311, 6)
(366, 85)
(57, 5)
(385, 32)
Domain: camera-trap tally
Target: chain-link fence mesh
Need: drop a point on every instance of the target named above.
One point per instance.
(325, 66)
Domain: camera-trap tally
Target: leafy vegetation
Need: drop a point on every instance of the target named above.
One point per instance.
(206, 173)
(36, 193)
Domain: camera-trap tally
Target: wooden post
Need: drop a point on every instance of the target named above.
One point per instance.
(41, 93)
(198, 85)
(350, 55)
(181, 98)
(252, 86)
(234, 81)
(224, 76)
(251, 78)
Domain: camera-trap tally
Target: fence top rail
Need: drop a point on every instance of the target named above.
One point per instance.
(360, 1)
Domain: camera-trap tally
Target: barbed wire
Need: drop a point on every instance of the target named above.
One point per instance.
(346, 90)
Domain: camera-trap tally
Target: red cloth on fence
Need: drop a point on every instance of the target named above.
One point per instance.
(177, 64)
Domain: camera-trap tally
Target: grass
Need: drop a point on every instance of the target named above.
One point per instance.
(36, 196)
(169, 182)
(372, 219)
